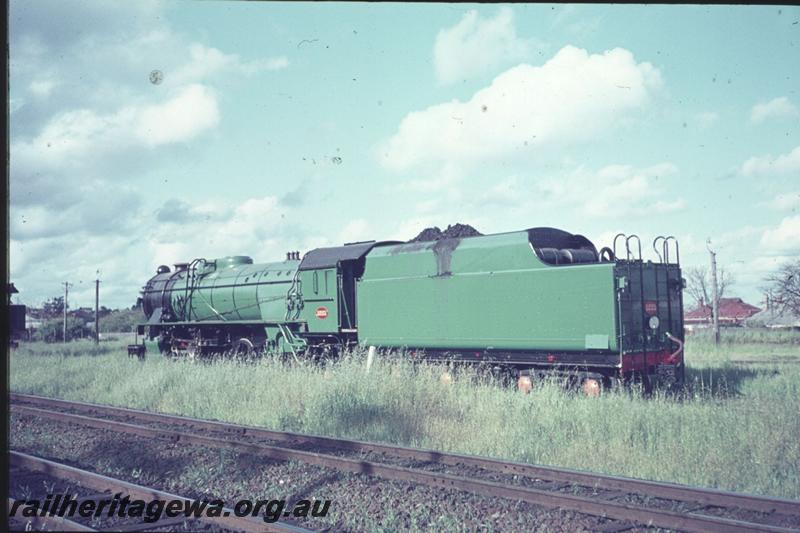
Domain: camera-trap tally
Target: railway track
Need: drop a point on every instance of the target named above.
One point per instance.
(94, 486)
(621, 502)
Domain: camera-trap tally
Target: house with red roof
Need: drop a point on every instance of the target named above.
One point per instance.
(732, 312)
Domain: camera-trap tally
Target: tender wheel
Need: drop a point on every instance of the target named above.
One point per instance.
(244, 347)
(591, 387)
(525, 383)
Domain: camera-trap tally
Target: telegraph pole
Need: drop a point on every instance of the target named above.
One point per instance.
(97, 311)
(66, 300)
(715, 294)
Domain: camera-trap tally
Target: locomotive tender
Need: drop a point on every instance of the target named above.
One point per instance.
(535, 301)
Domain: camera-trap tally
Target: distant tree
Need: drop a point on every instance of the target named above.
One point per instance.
(121, 320)
(699, 287)
(54, 307)
(784, 287)
(53, 330)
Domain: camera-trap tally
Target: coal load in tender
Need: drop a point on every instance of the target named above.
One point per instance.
(454, 231)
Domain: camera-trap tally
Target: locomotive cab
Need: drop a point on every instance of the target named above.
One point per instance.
(325, 294)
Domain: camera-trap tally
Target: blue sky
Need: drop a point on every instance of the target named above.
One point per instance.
(290, 126)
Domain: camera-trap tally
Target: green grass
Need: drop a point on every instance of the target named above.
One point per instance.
(736, 426)
(740, 336)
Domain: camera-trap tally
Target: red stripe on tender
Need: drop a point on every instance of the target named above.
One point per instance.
(635, 361)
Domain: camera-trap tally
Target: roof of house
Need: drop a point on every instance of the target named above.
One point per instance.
(772, 317)
(729, 309)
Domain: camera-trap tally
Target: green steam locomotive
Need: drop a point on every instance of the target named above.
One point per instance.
(537, 301)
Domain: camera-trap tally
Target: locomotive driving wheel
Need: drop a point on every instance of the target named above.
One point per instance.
(193, 350)
(175, 348)
(190, 349)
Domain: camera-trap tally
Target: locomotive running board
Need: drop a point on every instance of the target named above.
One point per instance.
(224, 322)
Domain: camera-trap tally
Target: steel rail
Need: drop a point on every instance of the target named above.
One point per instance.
(603, 508)
(108, 484)
(39, 523)
(656, 489)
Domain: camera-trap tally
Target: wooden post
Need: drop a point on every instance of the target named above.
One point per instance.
(715, 296)
(97, 311)
(66, 300)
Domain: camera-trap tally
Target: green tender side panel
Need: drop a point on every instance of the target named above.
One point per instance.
(320, 300)
(497, 295)
(241, 292)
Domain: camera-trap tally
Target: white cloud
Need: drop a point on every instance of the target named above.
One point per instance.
(269, 64)
(88, 126)
(42, 87)
(443, 180)
(706, 119)
(574, 96)
(476, 45)
(89, 141)
(177, 211)
(505, 193)
(189, 112)
(73, 134)
(734, 238)
(785, 164)
(355, 231)
(255, 227)
(784, 239)
(118, 203)
(207, 61)
(613, 191)
(786, 201)
(780, 107)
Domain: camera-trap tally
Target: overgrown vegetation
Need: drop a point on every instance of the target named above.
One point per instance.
(744, 338)
(53, 330)
(735, 427)
(121, 320)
